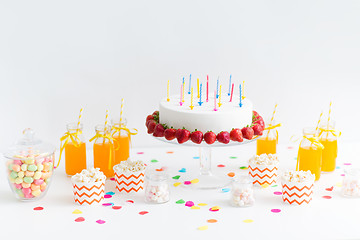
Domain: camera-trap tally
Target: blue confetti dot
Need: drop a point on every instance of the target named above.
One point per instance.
(182, 170)
(224, 190)
(110, 193)
(196, 157)
(337, 167)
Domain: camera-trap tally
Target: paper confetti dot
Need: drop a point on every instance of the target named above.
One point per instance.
(77, 211)
(112, 179)
(187, 183)
(110, 193)
(248, 221)
(347, 164)
(225, 190)
(154, 161)
(38, 208)
(202, 228)
(100, 221)
(189, 203)
(143, 212)
(221, 165)
(169, 152)
(176, 177)
(329, 189)
(177, 184)
(202, 204)
(233, 157)
(327, 197)
(337, 167)
(79, 219)
(274, 185)
(140, 152)
(181, 201)
(196, 157)
(265, 185)
(243, 167)
(195, 207)
(211, 220)
(107, 196)
(214, 209)
(342, 175)
(194, 181)
(129, 201)
(338, 184)
(231, 174)
(116, 207)
(278, 193)
(275, 210)
(107, 204)
(159, 169)
(182, 170)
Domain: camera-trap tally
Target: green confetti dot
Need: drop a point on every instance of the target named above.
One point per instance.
(176, 177)
(274, 186)
(181, 201)
(243, 167)
(154, 161)
(233, 157)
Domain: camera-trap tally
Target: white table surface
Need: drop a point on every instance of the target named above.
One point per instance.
(336, 218)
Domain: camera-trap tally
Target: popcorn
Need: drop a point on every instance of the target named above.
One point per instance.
(130, 166)
(298, 176)
(91, 175)
(264, 159)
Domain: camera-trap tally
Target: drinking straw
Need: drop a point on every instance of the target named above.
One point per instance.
(328, 121)
(121, 110)
(272, 119)
(318, 123)
(78, 123)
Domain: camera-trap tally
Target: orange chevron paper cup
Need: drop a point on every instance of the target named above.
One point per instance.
(88, 193)
(263, 174)
(129, 181)
(296, 193)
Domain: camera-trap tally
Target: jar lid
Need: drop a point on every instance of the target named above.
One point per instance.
(243, 180)
(156, 175)
(29, 147)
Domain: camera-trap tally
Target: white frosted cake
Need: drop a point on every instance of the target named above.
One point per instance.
(204, 118)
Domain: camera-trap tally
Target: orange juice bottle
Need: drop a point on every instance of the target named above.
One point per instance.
(329, 140)
(104, 154)
(267, 142)
(122, 143)
(309, 154)
(75, 152)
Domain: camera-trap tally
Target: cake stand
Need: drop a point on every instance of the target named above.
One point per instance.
(207, 180)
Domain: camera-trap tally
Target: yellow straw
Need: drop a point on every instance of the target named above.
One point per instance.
(121, 110)
(318, 123)
(106, 119)
(272, 119)
(198, 89)
(78, 123)
(220, 97)
(328, 121)
(168, 90)
(243, 87)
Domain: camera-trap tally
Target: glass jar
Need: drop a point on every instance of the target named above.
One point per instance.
(122, 138)
(267, 142)
(242, 193)
(328, 137)
(104, 151)
(156, 186)
(75, 149)
(310, 153)
(29, 165)
(351, 183)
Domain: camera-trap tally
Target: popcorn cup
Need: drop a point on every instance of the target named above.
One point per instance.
(88, 193)
(263, 174)
(297, 193)
(129, 181)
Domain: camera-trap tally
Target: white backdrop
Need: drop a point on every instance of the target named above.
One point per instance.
(59, 56)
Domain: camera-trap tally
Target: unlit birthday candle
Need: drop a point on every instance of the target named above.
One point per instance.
(200, 102)
(232, 91)
(220, 97)
(198, 90)
(243, 90)
(191, 99)
(240, 104)
(207, 88)
(183, 91)
(229, 86)
(168, 91)
(217, 88)
(181, 94)
(215, 109)
(189, 92)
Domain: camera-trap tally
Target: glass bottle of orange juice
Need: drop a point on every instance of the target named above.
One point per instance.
(310, 153)
(267, 142)
(122, 136)
(104, 153)
(328, 137)
(75, 150)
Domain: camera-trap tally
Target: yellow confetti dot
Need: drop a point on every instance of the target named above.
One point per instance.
(203, 228)
(248, 221)
(194, 180)
(195, 207)
(77, 211)
(215, 208)
(202, 204)
(338, 184)
(177, 184)
(265, 185)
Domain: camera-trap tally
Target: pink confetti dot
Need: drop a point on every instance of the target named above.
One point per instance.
(107, 204)
(140, 152)
(275, 210)
(221, 165)
(342, 175)
(327, 197)
(100, 221)
(143, 212)
(347, 164)
(189, 203)
(80, 219)
(38, 208)
(112, 179)
(107, 196)
(290, 147)
(278, 193)
(187, 182)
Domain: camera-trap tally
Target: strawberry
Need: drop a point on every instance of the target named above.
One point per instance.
(210, 137)
(197, 137)
(182, 135)
(151, 126)
(149, 117)
(170, 134)
(255, 114)
(260, 122)
(159, 130)
(258, 129)
(223, 137)
(236, 135)
(156, 113)
(247, 132)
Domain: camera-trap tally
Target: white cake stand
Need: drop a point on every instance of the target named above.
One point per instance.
(207, 180)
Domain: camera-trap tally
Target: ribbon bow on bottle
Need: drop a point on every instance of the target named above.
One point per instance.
(123, 127)
(270, 127)
(334, 132)
(314, 141)
(111, 143)
(73, 136)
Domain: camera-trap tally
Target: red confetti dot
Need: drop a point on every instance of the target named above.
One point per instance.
(143, 212)
(129, 201)
(329, 189)
(80, 219)
(38, 208)
(327, 197)
(221, 165)
(275, 210)
(278, 193)
(290, 147)
(116, 207)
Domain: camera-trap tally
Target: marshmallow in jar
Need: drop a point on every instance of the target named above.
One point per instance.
(351, 183)
(29, 165)
(242, 193)
(156, 187)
